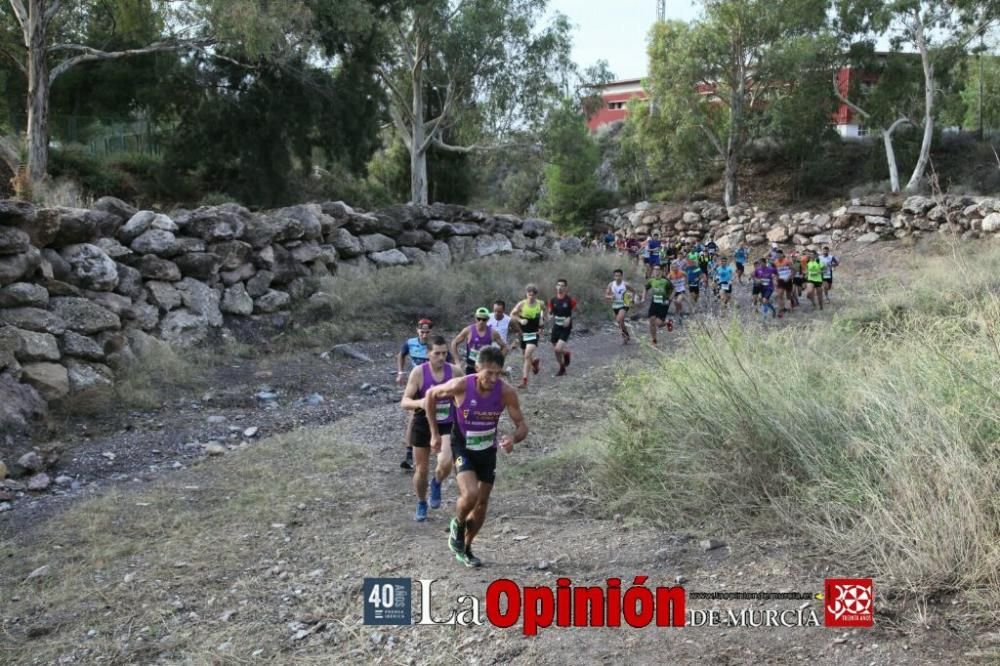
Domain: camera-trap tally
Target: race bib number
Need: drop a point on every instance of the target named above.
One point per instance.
(442, 411)
(529, 337)
(480, 439)
(785, 273)
(561, 321)
(618, 303)
(726, 286)
(474, 355)
(658, 299)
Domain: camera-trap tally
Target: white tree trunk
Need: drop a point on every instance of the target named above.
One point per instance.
(925, 145)
(38, 92)
(418, 149)
(890, 158)
(731, 194)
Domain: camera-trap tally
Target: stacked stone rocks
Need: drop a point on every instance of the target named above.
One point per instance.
(866, 220)
(82, 290)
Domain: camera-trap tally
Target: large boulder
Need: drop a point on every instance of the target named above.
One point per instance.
(84, 376)
(17, 266)
(51, 380)
(778, 234)
(260, 283)
(201, 299)
(309, 219)
(23, 294)
(143, 221)
(232, 254)
(16, 213)
(22, 409)
(183, 328)
(215, 223)
(280, 262)
(129, 281)
(237, 301)
(533, 227)
(487, 246)
(199, 265)
(272, 301)
(81, 225)
(157, 268)
(377, 243)
(156, 241)
(439, 255)
(347, 244)
(304, 251)
(112, 248)
(389, 258)
(30, 346)
(91, 267)
(463, 248)
(163, 295)
(114, 206)
(991, 223)
(80, 346)
(33, 319)
(13, 241)
(83, 316)
(241, 273)
(258, 231)
(416, 238)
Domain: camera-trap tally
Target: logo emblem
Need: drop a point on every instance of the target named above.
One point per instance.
(849, 602)
(387, 600)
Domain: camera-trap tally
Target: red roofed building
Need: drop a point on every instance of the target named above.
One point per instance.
(616, 96)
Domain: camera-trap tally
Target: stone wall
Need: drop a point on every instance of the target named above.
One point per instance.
(83, 291)
(865, 220)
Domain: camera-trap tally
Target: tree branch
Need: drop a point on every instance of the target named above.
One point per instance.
(401, 127)
(9, 153)
(52, 10)
(14, 59)
(20, 12)
(400, 100)
(91, 54)
(851, 105)
(433, 132)
(478, 148)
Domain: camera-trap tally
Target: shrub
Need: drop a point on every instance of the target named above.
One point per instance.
(877, 438)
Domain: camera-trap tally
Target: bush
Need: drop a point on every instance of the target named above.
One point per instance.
(449, 297)
(877, 438)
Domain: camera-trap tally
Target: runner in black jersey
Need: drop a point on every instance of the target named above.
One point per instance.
(561, 307)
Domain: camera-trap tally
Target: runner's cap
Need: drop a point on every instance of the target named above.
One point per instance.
(425, 324)
(482, 312)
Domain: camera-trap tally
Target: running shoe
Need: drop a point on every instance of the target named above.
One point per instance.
(562, 371)
(456, 538)
(670, 325)
(408, 460)
(471, 560)
(435, 498)
(536, 364)
(524, 383)
(421, 514)
(566, 358)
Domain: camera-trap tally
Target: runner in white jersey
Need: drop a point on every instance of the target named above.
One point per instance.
(500, 321)
(621, 295)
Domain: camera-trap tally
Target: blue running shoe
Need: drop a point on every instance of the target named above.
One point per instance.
(435, 493)
(421, 514)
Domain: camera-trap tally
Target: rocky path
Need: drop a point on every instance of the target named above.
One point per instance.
(293, 591)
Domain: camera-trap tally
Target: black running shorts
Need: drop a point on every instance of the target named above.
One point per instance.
(483, 463)
(420, 434)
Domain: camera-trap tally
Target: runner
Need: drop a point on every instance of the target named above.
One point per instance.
(500, 321)
(434, 372)
(741, 259)
(660, 290)
(814, 280)
(531, 316)
(678, 280)
(609, 241)
(416, 350)
(783, 265)
(655, 247)
(693, 270)
(798, 277)
(724, 278)
(617, 292)
(561, 308)
(829, 263)
(632, 245)
(475, 337)
(479, 401)
(763, 278)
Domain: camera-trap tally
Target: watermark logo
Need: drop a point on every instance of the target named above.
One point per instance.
(849, 602)
(387, 600)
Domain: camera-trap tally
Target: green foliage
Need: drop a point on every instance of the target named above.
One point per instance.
(572, 193)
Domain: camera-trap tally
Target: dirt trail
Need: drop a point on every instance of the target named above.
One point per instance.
(542, 525)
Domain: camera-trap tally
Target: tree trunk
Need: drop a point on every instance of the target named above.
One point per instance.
(890, 158)
(731, 195)
(38, 93)
(925, 145)
(418, 151)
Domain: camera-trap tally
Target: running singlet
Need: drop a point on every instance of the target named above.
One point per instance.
(501, 326)
(814, 271)
(659, 288)
(561, 310)
(477, 416)
(679, 280)
(654, 248)
(533, 313)
(762, 276)
(741, 256)
(827, 265)
(417, 351)
(724, 274)
(693, 275)
(618, 294)
(477, 342)
(442, 408)
(784, 267)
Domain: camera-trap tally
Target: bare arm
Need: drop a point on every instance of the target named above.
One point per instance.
(400, 360)
(409, 400)
(459, 339)
(513, 405)
(499, 341)
(453, 389)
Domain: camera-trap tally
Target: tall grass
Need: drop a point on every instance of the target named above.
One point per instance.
(401, 296)
(876, 436)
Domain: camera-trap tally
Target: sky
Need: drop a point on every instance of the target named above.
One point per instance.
(616, 30)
